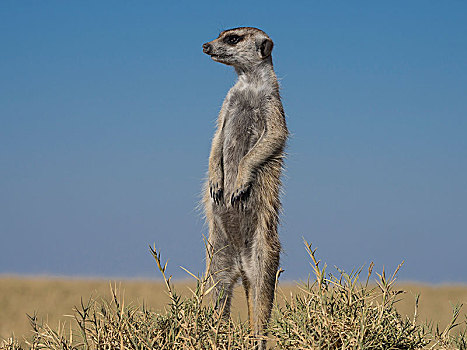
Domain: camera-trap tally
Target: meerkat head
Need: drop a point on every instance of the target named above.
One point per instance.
(242, 48)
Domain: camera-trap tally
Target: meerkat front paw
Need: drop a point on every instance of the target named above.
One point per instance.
(216, 191)
(240, 195)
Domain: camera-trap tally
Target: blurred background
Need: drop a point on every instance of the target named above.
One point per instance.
(107, 110)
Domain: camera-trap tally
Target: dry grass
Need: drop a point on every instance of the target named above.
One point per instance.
(303, 313)
(52, 298)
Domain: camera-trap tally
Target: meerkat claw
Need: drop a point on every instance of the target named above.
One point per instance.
(239, 196)
(220, 195)
(216, 192)
(234, 199)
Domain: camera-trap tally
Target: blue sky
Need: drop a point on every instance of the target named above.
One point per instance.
(107, 110)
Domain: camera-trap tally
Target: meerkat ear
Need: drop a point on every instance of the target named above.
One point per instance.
(265, 48)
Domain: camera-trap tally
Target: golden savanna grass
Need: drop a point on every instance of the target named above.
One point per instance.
(328, 312)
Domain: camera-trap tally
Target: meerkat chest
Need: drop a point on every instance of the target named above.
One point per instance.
(245, 115)
(244, 125)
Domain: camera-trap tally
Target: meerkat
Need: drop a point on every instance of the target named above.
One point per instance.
(241, 194)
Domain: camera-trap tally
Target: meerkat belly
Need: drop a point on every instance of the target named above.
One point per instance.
(242, 131)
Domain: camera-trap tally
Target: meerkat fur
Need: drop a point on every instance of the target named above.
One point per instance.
(241, 195)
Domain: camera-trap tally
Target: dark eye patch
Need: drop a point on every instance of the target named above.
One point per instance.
(232, 39)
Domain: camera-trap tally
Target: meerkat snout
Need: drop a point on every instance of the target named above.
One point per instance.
(207, 48)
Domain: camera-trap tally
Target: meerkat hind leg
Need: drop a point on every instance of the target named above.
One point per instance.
(249, 301)
(263, 285)
(222, 272)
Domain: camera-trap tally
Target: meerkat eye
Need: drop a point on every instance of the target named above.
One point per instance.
(232, 39)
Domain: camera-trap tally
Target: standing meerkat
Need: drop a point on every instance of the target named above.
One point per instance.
(241, 197)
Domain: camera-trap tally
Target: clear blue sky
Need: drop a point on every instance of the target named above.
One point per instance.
(107, 110)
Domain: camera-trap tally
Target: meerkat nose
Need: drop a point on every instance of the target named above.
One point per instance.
(207, 48)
